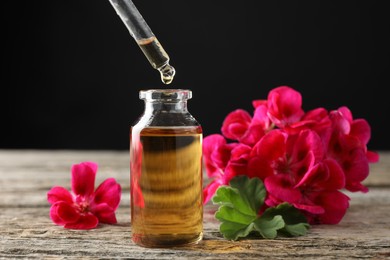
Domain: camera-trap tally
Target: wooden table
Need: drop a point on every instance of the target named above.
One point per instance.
(26, 231)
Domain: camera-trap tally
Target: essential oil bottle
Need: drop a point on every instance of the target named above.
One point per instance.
(166, 171)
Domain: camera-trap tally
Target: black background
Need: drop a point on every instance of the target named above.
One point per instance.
(71, 72)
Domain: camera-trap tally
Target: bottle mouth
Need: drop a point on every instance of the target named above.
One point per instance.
(165, 94)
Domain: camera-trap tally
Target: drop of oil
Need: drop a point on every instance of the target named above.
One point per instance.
(167, 73)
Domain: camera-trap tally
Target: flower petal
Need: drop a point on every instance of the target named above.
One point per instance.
(346, 113)
(57, 194)
(372, 157)
(83, 178)
(335, 204)
(316, 174)
(62, 213)
(284, 104)
(361, 129)
(336, 178)
(299, 169)
(87, 221)
(341, 124)
(108, 192)
(54, 214)
(259, 102)
(356, 169)
(212, 141)
(67, 213)
(258, 127)
(236, 124)
(238, 163)
(240, 153)
(269, 149)
(308, 141)
(313, 209)
(216, 154)
(209, 190)
(104, 213)
(280, 186)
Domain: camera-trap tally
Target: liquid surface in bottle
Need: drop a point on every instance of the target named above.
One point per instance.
(166, 186)
(158, 58)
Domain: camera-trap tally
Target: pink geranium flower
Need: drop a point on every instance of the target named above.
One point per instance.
(310, 194)
(217, 154)
(284, 106)
(239, 125)
(348, 145)
(84, 207)
(303, 158)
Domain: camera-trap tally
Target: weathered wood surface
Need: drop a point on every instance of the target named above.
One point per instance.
(26, 231)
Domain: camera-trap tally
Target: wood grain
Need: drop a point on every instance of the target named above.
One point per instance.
(26, 231)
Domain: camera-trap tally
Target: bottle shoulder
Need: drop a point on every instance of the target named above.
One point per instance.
(167, 130)
(167, 120)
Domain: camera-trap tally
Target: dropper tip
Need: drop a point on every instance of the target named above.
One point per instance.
(167, 73)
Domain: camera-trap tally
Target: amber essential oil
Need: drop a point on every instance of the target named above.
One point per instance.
(166, 186)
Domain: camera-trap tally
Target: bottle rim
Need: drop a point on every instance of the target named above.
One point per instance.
(165, 94)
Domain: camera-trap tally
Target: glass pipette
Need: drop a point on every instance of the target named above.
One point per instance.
(145, 38)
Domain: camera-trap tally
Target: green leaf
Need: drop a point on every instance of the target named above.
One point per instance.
(251, 190)
(299, 229)
(233, 231)
(231, 197)
(268, 227)
(295, 222)
(240, 203)
(225, 213)
(238, 212)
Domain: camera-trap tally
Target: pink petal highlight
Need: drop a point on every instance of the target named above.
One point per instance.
(67, 213)
(210, 189)
(57, 194)
(54, 215)
(83, 178)
(281, 187)
(336, 178)
(356, 169)
(372, 157)
(259, 102)
(108, 192)
(284, 104)
(104, 213)
(313, 209)
(236, 124)
(361, 129)
(317, 174)
(335, 204)
(259, 126)
(346, 113)
(269, 149)
(341, 124)
(308, 141)
(212, 141)
(216, 154)
(87, 221)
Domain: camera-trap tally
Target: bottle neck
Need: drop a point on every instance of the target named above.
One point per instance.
(165, 106)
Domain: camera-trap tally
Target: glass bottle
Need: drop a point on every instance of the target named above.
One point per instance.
(166, 171)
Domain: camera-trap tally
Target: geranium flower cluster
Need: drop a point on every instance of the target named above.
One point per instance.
(303, 158)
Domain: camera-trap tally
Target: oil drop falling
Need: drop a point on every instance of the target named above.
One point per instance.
(167, 73)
